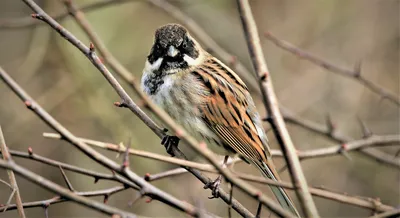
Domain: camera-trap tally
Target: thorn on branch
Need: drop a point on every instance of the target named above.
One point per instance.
(268, 119)
(29, 105)
(106, 197)
(365, 130)
(125, 163)
(264, 76)
(96, 179)
(357, 69)
(37, 16)
(147, 176)
(258, 214)
(120, 104)
(330, 125)
(46, 211)
(91, 47)
(343, 151)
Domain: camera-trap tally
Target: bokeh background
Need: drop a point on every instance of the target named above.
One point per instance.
(65, 83)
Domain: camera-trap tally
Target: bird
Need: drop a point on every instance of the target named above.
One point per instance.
(209, 100)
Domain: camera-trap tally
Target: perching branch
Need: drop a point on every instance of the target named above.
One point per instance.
(271, 103)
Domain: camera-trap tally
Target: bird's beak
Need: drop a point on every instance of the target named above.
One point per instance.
(172, 51)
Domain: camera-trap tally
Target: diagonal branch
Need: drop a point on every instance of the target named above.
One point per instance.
(271, 104)
(149, 189)
(13, 182)
(350, 73)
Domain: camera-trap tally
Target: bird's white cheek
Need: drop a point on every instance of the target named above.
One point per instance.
(191, 61)
(154, 66)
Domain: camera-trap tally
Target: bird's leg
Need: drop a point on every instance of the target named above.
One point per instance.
(169, 142)
(216, 183)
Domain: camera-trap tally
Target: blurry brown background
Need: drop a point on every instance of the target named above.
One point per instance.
(64, 82)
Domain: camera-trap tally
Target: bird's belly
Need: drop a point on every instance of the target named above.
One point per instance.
(183, 108)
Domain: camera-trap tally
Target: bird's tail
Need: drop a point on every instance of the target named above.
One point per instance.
(280, 194)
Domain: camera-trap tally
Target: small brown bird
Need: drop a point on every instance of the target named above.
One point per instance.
(209, 100)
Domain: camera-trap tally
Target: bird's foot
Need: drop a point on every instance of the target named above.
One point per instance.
(214, 186)
(169, 143)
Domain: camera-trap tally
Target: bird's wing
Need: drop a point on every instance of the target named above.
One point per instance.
(229, 110)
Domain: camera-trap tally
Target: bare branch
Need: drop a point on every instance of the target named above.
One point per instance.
(27, 22)
(66, 180)
(13, 182)
(58, 199)
(65, 193)
(354, 73)
(340, 138)
(271, 103)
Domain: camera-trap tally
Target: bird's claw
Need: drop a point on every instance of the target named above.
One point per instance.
(169, 142)
(214, 186)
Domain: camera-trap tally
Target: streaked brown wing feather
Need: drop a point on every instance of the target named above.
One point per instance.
(226, 110)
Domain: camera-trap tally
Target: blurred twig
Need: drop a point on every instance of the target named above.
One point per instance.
(389, 214)
(271, 104)
(354, 73)
(339, 138)
(58, 199)
(13, 182)
(26, 22)
(65, 193)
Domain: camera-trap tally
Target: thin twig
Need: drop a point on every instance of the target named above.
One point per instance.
(339, 138)
(65, 193)
(271, 103)
(13, 182)
(26, 22)
(59, 199)
(350, 73)
(389, 214)
(69, 185)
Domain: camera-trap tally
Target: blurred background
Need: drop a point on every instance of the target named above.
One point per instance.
(66, 84)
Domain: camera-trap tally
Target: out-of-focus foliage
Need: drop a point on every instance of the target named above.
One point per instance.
(75, 93)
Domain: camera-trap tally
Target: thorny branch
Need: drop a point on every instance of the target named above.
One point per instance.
(58, 199)
(271, 103)
(351, 73)
(65, 193)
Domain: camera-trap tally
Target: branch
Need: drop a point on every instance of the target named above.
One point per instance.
(147, 188)
(27, 22)
(13, 182)
(58, 199)
(47, 184)
(389, 214)
(271, 104)
(350, 73)
(363, 202)
(338, 137)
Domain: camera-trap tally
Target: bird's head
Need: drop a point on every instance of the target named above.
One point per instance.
(173, 49)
